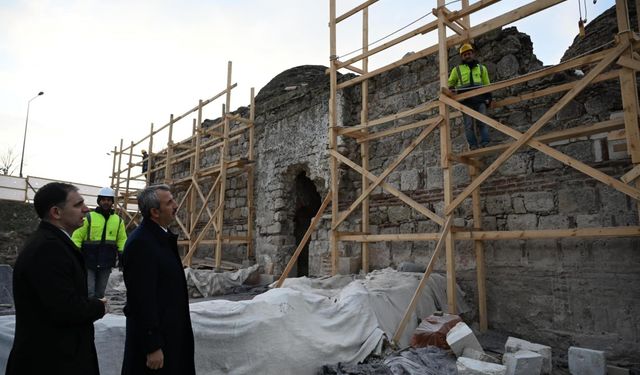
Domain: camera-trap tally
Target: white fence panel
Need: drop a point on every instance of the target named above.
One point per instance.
(12, 188)
(16, 188)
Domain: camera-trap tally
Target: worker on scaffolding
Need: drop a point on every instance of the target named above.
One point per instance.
(145, 161)
(101, 239)
(469, 75)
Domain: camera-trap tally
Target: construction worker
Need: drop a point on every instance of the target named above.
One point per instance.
(470, 74)
(101, 239)
(145, 161)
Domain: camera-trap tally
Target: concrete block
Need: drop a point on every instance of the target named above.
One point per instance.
(523, 362)
(469, 366)
(461, 337)
(514, 345)
(586, 361)
(480, 356)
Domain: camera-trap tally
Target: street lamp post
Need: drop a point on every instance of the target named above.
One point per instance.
(24, 139)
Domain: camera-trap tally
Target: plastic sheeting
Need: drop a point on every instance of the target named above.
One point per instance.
(206, 283)
(411, 361)
(291, 330)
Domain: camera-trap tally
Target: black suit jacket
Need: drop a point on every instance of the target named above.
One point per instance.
(54, 315)
(157, 307)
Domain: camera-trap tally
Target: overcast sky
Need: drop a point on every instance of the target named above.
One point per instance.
(109, 68)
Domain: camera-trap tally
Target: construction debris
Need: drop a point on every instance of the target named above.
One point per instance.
(514, 345)
(433, 330)
(479, 356)
(461, 337)
(410, 361)
(469, 366)
(586, 361)
(422, 361)
(206, 283)
(298, 321)
(523, 362)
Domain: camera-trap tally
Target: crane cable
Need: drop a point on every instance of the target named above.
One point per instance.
(582, 21)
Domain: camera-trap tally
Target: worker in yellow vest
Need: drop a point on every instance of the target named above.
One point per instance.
(469, 75)
(101, 240)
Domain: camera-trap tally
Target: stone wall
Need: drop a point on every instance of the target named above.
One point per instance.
(560, 292)
(291, 138)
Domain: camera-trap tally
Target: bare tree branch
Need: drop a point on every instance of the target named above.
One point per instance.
(8, 161)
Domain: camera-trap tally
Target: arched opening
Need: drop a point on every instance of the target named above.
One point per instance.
(307, 204)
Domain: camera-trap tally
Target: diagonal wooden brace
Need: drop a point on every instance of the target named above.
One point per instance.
(601, 66)
(423, 281)
(392, 190)
(406, 152)
(576, 164)
(303, 241)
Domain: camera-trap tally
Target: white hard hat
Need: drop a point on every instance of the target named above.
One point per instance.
(106, 192)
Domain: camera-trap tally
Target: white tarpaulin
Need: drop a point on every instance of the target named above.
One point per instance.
(206, 283)
(291, 330)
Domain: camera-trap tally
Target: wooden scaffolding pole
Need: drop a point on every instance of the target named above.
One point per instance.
(390, 168)
(459, 21)
(478, 247)
(612, 56)
(427, 272)
(193, 167)
(224, 155)
(126, 189)
(333, 137)
(168, 162)
(364, 146)
(118, 173)
(445, 150)
(251, 176)
(150, 157)
(629, 88)
(113, 168)
(216, 138)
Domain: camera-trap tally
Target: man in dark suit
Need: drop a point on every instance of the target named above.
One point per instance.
(159, 337)
(54, 315)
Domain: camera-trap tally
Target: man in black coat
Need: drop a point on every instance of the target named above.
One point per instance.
(159, 335)
(54, 315)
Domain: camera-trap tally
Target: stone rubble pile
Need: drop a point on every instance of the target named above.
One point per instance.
(520, 357)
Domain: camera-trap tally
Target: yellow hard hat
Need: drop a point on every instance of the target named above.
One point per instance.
(465, 47)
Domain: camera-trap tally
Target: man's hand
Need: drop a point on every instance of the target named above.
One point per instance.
(155, 360)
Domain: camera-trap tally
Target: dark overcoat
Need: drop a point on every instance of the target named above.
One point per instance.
(54, 315)
(157, 307)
